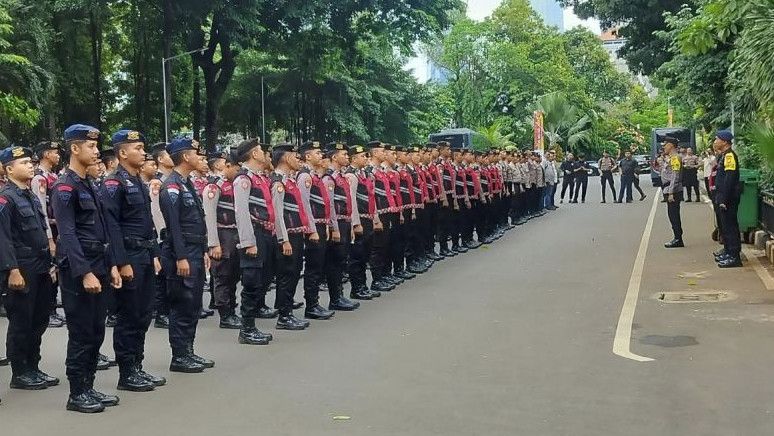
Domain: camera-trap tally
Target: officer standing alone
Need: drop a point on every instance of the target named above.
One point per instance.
(727, 193)
(672, 187)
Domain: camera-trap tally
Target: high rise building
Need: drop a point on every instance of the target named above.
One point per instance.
(550, 11)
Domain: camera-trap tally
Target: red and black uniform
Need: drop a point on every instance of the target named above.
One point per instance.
(337, 252)
(291, 224)
(365, 204)
(387, 209)
(255, 219)
(318, 203)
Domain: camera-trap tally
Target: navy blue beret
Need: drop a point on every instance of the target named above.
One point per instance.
(81, 132)
(181, 144)
(125, 135)
(13, 153)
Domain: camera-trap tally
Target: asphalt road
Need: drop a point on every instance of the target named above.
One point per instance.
(513, 339)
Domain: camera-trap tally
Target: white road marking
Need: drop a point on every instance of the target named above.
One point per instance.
(623, 332)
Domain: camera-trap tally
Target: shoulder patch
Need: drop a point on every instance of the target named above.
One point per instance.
(211, 192)
(729, 163)
(65, 193)
(111, 185)
(674, 162)
(3, 202)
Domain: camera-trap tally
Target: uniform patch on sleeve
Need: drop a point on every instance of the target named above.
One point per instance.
(308, 184)
(729, 163)
(174, 191)
(675, 163)
(211, 192)
(111, 185)
(42, 188)
(65, 193)
(3, 202)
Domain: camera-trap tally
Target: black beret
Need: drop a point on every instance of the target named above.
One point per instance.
(246, 147)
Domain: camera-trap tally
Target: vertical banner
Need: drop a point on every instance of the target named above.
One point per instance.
(537, 126)
(670, 116)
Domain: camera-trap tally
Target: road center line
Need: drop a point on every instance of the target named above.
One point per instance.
(623, 332)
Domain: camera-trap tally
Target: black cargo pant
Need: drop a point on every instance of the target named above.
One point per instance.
(288, 269)
(134, 312)
(185, 304)
(359, 255)
(85, 329)
(27, 312)
(225, 272)
(445, 222)
(729, 227)
(257, 274)
(607, 178)
(398, 241)
(673, 212)
(336, 254)
(431, 226)
(314, 265)
(581, 184)
(415, 244)
(381, 262)
(568, 182)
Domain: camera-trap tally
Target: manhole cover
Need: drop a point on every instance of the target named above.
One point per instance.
(695, 296)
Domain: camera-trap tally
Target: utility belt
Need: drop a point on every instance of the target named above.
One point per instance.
(139, 243)
(264, 226)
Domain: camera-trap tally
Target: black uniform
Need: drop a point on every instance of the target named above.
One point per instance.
(727, 192)
(25, 247)
(568, 178)
(127, 206)
(185, 238)
(82, 248)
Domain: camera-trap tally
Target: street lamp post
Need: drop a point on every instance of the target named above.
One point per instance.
(164, 84)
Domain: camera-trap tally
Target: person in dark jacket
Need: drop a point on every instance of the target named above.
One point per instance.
(727, 193)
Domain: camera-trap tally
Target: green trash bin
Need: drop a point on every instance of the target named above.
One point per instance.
(748, 212)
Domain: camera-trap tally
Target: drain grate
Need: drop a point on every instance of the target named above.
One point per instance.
(695, 296)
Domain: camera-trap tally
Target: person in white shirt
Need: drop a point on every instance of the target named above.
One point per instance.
(551, 178)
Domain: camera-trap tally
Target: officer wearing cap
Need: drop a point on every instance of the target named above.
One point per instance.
(672, 188)
(380, 260)
(360, 174)
(86, 265)
(726, 199)
(254, 215)
(48, 156)
(291, 224)
(184, 255)
(222, 237)
(127, 207)
(317, 200)
(25, 270)
(347, 222)
(164, 168)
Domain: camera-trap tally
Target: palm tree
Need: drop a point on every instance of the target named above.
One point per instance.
(563, 122)
(492, 137)
(753, 63)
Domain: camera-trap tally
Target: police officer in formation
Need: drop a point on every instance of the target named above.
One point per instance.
(151, 229)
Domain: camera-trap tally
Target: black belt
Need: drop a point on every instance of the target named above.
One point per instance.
(130, 242)
(194, 239)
